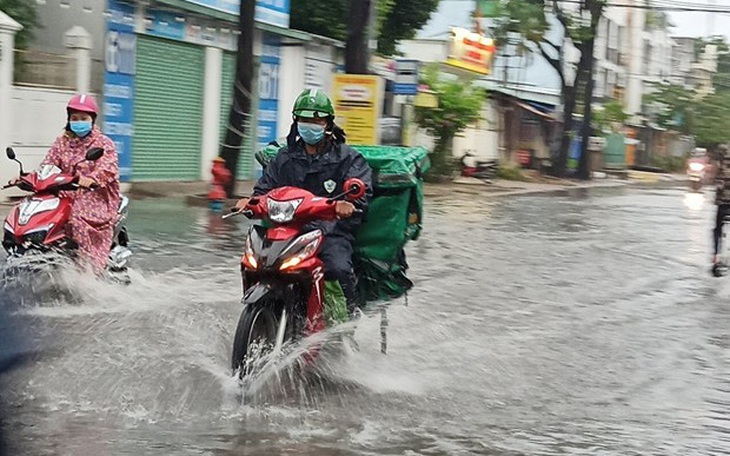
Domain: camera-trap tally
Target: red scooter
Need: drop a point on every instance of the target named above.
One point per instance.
(37, 224)
(283, 278)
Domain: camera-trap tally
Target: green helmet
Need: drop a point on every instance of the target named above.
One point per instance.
(313, 103)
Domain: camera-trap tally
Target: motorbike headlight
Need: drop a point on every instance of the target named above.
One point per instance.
(249, 257)
(302, 249)
(696, 167)
(283, 211)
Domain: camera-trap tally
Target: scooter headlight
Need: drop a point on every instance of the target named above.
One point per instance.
(283, 211)
(696, 167)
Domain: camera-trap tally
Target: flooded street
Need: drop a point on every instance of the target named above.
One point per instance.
(575, 324)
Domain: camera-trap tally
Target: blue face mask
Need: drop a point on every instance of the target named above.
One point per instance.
(80, 127)
(310, 133)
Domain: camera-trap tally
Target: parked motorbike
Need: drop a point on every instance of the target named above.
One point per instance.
(37, 225)
(485, 170)
(283, 278)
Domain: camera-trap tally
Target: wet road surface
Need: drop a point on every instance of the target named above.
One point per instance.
(584, 323)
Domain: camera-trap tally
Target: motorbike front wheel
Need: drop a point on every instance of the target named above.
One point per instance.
(255, 337)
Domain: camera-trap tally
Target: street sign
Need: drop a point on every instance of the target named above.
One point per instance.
(406, 77)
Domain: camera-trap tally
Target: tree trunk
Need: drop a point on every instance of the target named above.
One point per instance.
(356, 48)
(560, 168)
(584, 160)
(240, 113)
(442, 158)
(596, 9)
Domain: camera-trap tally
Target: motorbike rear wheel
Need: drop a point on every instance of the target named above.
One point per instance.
(255, 337)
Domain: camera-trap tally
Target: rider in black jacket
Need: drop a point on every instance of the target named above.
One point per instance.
(317, 159)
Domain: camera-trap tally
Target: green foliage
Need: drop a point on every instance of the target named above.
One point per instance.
(613, 111)
(323, 17)
(25, 13)
(677, 106)
(712, 125)
(669, 164)
(510, 172)
(402, 22)
(397, 19)
(459, 106)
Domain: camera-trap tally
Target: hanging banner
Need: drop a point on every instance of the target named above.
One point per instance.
(357, 106)
(470, 51)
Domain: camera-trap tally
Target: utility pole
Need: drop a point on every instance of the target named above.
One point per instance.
(240, 113)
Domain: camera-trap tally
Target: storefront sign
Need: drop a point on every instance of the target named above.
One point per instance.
(268, 92)
(119, 70)
(470, 51)
(274, 12)
(357, 105)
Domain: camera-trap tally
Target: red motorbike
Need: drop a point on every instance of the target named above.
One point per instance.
(283, 277)
(37, 224)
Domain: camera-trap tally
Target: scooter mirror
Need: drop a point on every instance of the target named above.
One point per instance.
(354, 189)
(94, 153)
(10, 153)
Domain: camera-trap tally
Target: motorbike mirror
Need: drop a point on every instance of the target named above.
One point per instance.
(10, 153)
(354, 189)
(94, 153)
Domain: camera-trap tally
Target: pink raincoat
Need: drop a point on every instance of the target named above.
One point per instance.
(93, 213)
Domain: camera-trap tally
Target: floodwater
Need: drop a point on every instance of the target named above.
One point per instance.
(582, 323)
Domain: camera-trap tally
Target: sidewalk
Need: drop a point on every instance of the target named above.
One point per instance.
(195, 191)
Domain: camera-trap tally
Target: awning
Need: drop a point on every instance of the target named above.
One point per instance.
(529, 108)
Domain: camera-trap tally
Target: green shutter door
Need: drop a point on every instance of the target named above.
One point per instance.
(168, 110)
(245, 160)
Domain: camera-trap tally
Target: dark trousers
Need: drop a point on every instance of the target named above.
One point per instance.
(336, 254)
(723, 211)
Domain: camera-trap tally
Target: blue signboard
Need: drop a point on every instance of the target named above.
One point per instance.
(119, 70)
(406, 77)
(275, 12)
(166, 25)
(268, 111)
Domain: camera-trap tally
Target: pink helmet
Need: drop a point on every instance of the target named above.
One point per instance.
(83, 103)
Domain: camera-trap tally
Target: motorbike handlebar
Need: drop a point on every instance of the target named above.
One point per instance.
(234, 212)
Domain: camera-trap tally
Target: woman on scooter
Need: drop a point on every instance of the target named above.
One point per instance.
(95, 206)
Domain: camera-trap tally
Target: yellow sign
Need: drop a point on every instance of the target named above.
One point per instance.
(470, 51)
(357, 106)
(426, 100)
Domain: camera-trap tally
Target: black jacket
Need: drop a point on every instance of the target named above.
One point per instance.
(292, 166)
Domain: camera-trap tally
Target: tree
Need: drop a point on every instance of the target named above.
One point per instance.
(25, 13)
(459, 105)
(579, 28)
(676, 107)
(240, 113)
(397, 19)
(402, 22)
(611, 112)
(712, 120)
(594, 8)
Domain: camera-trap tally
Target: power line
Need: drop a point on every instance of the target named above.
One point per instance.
(686, 7)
